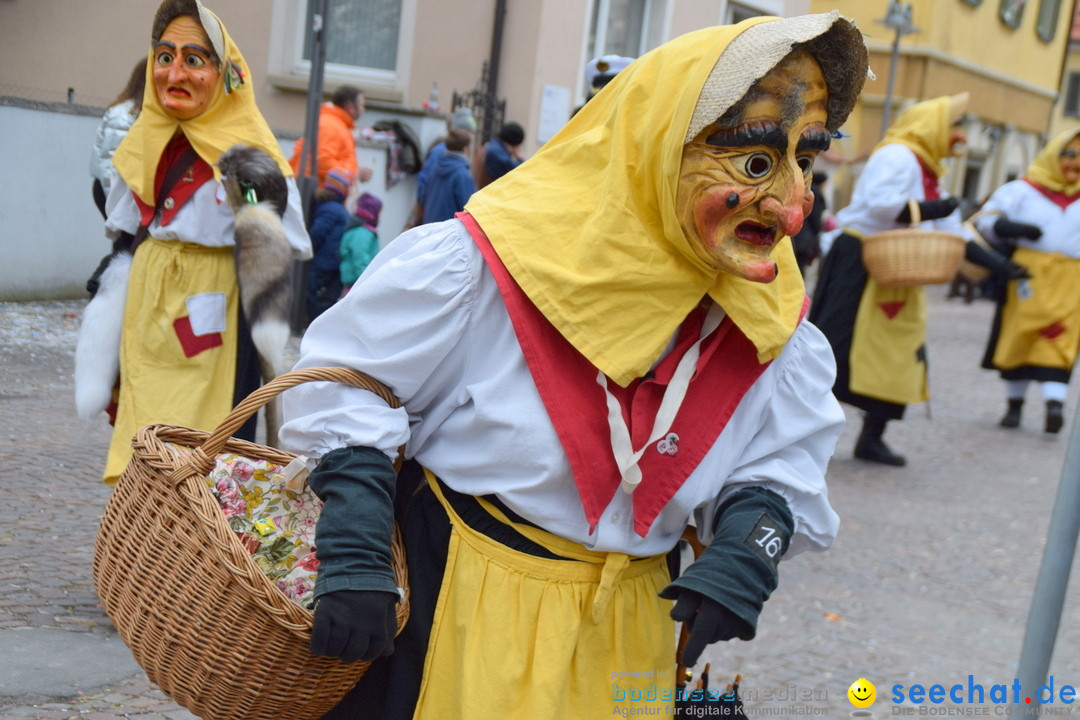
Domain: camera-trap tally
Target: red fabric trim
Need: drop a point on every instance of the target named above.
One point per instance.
(191, 343)
(1058, 198)
(199, 173)
(931, 189)
(576, 404)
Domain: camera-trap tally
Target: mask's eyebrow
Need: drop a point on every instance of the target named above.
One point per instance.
(815, 140)
(749, 136)
(189, 46)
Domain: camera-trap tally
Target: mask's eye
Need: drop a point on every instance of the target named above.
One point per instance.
(165, 57)
(805, 163)
(194, 60)
(755, 165)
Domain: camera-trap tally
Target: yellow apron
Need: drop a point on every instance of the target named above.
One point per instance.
(515, 635)
(1042, 328)
(890, 328)
(158, 382)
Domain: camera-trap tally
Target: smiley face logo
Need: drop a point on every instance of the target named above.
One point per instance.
(862, 693)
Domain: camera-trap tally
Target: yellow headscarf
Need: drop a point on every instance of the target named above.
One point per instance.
(924, 129)
(232, 117)
(1045, 170)
(588, 226)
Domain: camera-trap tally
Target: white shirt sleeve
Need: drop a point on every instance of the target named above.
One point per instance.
(400, 325)
(891, 177)
(205, 219)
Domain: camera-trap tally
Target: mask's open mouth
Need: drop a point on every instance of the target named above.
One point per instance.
(756, 233)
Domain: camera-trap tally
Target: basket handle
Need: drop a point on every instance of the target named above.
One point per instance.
(916, 212)
(981, 214)
(975, 234)
(202, 457)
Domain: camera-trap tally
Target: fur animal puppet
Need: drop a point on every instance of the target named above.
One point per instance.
(258, 194)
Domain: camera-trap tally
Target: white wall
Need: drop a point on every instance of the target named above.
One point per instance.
(51, 234)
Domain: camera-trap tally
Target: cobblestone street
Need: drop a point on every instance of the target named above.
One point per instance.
(929, 581)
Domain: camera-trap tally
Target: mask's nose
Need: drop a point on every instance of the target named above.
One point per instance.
(176, 71)
(785, 202)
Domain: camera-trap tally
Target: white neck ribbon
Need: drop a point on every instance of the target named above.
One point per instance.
(621, 446)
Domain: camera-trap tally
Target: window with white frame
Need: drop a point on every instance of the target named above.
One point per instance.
(361, 33)
(368, 42)
(625, 27)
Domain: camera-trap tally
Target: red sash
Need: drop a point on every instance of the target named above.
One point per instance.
(577, 406)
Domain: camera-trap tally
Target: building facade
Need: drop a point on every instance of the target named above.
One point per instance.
(1007, 53)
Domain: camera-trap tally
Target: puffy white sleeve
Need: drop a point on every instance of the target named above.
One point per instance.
(790, 448)
(293, 220)
(891, 177)
(401, 323)
(1005, 201)
(121, 212)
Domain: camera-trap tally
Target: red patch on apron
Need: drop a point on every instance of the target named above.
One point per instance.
(191, 343)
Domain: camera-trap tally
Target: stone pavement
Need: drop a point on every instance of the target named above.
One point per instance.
(59, 655)
(929, 581)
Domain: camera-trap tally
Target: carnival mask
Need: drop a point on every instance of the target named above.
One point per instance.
(745, 179)
(185, 75)
(1070, 161)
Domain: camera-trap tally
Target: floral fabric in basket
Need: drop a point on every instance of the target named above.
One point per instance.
(274, 523)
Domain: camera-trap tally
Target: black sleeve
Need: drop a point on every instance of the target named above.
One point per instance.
(354, 531)
(930, 209)
(1006, 228)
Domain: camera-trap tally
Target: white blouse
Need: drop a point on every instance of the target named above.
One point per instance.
(1020, 202)
(205, 219)
(427, 319)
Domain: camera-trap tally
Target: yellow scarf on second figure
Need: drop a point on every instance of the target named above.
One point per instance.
(924, 129)
(231, 118)
(1045, 169)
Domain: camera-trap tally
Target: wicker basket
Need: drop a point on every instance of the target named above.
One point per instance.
(912, 256)
(207, 626)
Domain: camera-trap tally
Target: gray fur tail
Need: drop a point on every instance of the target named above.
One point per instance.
(264, 273)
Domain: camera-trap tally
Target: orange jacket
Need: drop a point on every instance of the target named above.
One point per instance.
(337, 147)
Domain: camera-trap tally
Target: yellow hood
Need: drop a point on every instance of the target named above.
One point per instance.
(1045, 170)
(588, 226)
(924, 129)
(232, 117)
